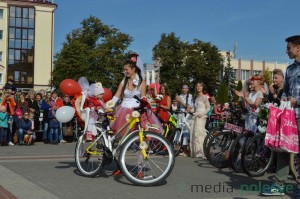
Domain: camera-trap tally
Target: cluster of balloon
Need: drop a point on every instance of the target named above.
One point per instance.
(71, 87)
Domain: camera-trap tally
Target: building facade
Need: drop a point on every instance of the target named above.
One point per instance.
(244, 69)
(26, 42)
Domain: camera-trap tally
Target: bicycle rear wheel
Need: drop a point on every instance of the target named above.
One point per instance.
(256, 157)
(89, 157)
(152, 170)
(217, 149)
(295, 164)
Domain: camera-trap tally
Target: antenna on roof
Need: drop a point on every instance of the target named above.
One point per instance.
(234, 49)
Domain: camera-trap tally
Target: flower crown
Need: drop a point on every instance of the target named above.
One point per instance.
(133, 59)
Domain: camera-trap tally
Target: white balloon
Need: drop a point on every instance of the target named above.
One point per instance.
(65, 114)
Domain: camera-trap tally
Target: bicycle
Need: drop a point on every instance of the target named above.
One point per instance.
(176, 136)
(135, 152)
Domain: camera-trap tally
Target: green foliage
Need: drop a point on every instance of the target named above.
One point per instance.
(222, 94)
(185, 63)
(229, 77)
(239, 87)
(267, 76)
(95, 51)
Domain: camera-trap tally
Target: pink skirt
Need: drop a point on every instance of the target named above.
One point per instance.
(147, 119)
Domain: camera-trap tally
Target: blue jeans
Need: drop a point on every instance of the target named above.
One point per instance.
(46, 132)
(53, 134)
(21, 134)
(3, 134)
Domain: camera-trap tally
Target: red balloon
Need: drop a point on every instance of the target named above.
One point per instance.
(70, 87)
(107, 95)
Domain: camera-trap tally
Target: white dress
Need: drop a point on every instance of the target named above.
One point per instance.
(198, 131)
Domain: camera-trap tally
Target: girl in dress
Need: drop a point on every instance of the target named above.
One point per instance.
(164, 104)
(198, 133)
(132, 85)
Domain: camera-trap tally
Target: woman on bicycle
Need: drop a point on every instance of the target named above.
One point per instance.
(164, 103)
(198, 133)
(132, 85)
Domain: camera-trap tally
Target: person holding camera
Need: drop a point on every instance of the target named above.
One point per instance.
(9, 102)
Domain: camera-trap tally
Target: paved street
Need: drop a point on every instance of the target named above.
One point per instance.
(49, 171)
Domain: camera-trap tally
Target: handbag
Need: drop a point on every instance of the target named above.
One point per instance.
(67, 131)
(282, 132)
(289, 139)
(272, 132)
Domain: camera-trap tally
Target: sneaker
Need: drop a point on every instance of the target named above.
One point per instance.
(273, 190)
(183, 154)
(117, 172)
(63, 141)
(11, 144)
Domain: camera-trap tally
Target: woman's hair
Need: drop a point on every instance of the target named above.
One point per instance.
(278, 72)
(203, 86)
(167, 91)
(132, 61)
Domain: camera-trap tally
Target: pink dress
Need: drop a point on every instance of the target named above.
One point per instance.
(126, 108)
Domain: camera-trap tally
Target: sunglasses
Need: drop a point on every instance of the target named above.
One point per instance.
(26, 114)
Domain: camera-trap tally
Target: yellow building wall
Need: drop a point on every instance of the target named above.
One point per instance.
(43, 47)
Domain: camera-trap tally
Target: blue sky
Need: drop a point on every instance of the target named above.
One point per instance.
(259, 27)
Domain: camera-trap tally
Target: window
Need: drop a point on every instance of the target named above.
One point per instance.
(244, 74)
(21, 45)
(1, 13)
(1, 34)
(256, 72)
(0, 56)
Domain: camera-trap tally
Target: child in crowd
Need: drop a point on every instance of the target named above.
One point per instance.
(31, 117)
(54, 125)
(95, 103)
(3, 125)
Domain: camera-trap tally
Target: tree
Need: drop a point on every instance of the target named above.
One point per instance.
(185, 63)
(222, 94)
(267, 76)
(239, 87)
(203, 64)
(170, 52)
(95, 51)
(229, 77)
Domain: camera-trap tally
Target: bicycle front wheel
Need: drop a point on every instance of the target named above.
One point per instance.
(176, 140)
(89, 157)
(150, 171)
(256, 156)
